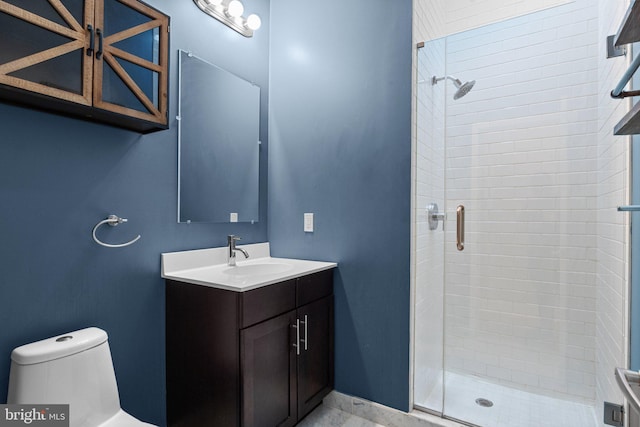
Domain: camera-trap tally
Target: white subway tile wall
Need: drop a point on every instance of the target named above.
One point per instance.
(428, 20)
(537, 300)
(462, 15)
(612, 226)
(520, 300)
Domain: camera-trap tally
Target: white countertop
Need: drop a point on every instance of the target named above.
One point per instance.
(208, 267)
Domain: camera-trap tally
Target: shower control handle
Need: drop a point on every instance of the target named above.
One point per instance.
(433, 216)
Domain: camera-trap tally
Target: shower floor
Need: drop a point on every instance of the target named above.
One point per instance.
(511, 407)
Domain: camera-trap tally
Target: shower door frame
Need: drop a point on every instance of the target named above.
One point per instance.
(419, 215)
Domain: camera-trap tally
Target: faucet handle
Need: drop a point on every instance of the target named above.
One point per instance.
(232, 237)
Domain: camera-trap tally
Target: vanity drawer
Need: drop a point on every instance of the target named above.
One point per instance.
(314, 286)
(267, 302)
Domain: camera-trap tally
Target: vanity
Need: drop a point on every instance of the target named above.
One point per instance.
(248, 345)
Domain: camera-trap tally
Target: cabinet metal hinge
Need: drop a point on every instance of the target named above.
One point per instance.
(613, 414)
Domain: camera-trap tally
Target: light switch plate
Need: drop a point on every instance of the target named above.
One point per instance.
(308, 223)
(233, 217)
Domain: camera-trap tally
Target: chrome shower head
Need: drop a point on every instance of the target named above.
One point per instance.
(463, 88)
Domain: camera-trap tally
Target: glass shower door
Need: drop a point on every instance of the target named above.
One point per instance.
(517, 323)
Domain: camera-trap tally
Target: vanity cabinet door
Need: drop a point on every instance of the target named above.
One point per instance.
(42, 48)
(103, 60)
(131, 60)
(268, 373)
(315, 363)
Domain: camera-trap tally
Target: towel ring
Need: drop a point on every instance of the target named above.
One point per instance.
(112, 220)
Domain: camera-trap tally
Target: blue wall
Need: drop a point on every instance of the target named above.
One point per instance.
(340, 146)
(60, 176)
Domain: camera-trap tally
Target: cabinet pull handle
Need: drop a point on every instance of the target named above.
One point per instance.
(91, 40)
(99, 34)
(297, 344)
(306, 335)
(460, 228)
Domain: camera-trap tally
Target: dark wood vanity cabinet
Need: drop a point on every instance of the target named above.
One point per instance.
(261, 358)
(315, 364)
(102, 60)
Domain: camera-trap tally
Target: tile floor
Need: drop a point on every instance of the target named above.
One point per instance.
(325, 416)
(341, 410)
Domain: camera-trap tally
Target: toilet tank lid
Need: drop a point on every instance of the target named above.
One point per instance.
(58, 346)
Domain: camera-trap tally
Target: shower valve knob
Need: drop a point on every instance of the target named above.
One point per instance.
(433, 216)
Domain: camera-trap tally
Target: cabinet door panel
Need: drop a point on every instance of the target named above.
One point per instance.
(63, 72)
(202, 356)
(45, 9)
(143, 46)
(268, 373)
(42, 48)
(115, 89)
(131, 69)
(118, 17)
(315, 363)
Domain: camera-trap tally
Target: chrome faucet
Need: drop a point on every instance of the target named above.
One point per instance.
(231, 241)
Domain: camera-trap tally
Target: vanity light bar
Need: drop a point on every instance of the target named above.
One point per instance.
(229, 12)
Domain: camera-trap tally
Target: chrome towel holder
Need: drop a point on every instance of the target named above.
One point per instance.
(112, 220)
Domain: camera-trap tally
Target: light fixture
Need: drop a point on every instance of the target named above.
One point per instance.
(235, 8)
(229, 12)
(253, 22)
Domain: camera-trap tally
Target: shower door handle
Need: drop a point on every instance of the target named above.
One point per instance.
(460, 227)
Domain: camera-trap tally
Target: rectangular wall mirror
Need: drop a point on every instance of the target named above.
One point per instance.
(218, 144)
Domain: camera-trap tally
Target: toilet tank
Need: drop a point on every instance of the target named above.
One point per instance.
(75, 369)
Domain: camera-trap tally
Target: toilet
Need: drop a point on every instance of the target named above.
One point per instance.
(75, 369)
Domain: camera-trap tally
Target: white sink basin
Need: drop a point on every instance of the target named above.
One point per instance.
(257, 269)
(208, 267)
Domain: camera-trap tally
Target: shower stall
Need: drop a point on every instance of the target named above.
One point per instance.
(505, 323)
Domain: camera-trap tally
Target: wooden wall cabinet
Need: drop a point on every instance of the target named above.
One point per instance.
(102, 60)
(261, 358)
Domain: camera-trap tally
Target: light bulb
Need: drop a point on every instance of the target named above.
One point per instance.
(235, 8)
(253, 22)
